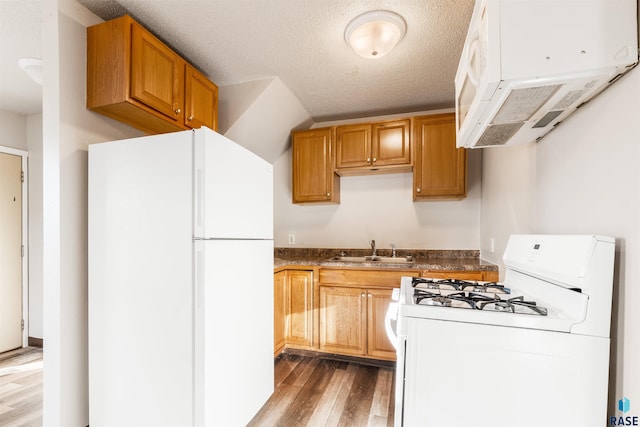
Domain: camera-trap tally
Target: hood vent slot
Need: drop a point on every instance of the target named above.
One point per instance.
(548, 118)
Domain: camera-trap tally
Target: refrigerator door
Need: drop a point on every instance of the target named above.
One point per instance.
(140, 301)
(233, 190)
(233, 330)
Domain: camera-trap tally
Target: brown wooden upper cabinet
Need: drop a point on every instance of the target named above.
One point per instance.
(382, 147)
(440, 169)
(314, 180)
(136, 79)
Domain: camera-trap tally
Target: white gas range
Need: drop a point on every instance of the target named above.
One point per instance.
(530, 351)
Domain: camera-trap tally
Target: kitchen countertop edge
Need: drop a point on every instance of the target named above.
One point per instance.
(445, 264)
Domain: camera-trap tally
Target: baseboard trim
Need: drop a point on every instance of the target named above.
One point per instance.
(341, 358)
(36, 342)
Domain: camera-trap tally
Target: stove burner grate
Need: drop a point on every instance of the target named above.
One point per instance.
(477, 301)
(459, 285)
(513, 305)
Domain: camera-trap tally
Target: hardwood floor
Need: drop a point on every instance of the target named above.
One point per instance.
(21, 388)
(314, 391)
(309, 391)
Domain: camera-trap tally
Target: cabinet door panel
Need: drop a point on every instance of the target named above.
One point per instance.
(299, 308)
(353, 146)
(313, 177)
(441, 168)
(378, 343)
(157, 78)
(279, 306)
(201, 96)
(342, 320)
(391, 143)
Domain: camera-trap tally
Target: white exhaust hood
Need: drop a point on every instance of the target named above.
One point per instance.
(528, 64)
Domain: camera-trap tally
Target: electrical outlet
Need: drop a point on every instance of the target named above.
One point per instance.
(292, 239)
(492, 245)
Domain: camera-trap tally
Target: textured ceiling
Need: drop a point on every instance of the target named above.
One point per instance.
(302, 43)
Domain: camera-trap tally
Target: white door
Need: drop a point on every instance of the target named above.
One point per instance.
(10, 252)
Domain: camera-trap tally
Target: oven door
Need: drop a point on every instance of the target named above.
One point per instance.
(393, 326)
(466, 374)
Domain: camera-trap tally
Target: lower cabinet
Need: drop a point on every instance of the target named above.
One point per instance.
(343, 320)
(353, 305)
(279, 316)
(345, 313)
(352, 321)
(293, 310)
(299, 309)
(378, 344)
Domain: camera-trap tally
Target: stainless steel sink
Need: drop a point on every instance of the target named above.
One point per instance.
(377, 259)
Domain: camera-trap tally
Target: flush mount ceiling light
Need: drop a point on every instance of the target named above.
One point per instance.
(374, 34)
(33, 68)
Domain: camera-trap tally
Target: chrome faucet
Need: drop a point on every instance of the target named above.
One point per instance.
(373, 248)
(393, 250)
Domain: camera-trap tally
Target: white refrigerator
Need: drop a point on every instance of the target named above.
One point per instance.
(180, 281)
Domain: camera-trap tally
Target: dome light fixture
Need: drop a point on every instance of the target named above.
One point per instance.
(33, 68)
(374, 34)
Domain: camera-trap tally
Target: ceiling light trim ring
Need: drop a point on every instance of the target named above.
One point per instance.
(374, 34)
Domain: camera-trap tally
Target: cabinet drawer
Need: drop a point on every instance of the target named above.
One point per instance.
(365, 277)
(462, 275)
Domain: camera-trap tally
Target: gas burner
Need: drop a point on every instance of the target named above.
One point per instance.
(457, 300)
(478, 301)
(512, 305)
(459, 285)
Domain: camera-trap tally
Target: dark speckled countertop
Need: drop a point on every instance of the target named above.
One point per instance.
(455, 260)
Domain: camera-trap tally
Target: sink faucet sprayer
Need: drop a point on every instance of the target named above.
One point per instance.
(393, 250)
(373, 248)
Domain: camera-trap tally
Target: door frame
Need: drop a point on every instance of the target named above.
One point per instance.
(25, 238)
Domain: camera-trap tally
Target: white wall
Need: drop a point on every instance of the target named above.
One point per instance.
(68, 128)
(13, 130)
(264, 126)
(581, 178)
(378, 207)
(508, 175)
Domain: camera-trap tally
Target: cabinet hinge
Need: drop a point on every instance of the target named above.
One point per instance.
(22, 176)
(22, 324)
(22, 251)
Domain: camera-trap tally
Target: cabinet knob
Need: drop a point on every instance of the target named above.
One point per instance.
(417, 190)
(190, 118)
(328, 194)
(363, 295)
(374, 159)
(370, 295)
(368, 159)
(178, 111)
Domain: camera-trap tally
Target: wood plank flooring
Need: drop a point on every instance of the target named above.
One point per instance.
(309, 391)
(316, 391)
(21, 388)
